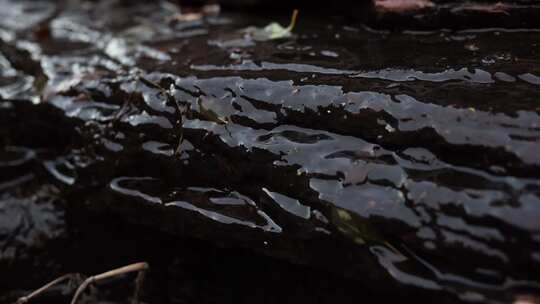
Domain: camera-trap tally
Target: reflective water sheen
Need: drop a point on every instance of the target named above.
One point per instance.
(417, 152)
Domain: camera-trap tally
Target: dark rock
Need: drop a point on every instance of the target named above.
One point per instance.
(406, 161)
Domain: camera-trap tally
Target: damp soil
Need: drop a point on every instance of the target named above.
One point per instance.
(345, 163)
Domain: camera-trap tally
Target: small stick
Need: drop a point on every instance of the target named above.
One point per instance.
(137, 267)
(293, 20)
(44, 288)
(138, 285)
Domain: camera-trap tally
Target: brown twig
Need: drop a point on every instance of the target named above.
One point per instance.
(137, 267)
(140, 267)
(45, 287)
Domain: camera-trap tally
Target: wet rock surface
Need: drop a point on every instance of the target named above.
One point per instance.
(405, 161)
(423, 14)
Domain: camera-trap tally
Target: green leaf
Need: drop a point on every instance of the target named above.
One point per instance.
(272, 31)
